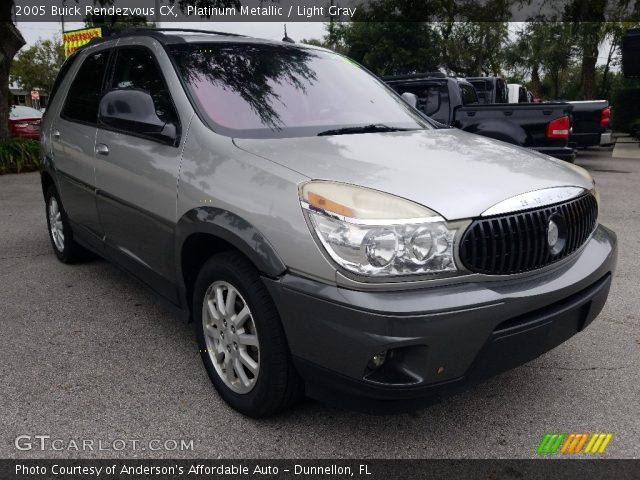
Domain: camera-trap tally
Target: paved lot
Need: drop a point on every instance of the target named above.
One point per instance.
(85, 353)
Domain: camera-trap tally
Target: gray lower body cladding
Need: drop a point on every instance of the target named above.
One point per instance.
(438, 339)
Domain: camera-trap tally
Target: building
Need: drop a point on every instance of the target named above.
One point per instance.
(18, 96)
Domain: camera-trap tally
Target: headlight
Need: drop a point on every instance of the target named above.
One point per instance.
(595, 192)
(377, 234)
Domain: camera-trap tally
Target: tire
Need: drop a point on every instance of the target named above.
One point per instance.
(244, 334)
(65, 248)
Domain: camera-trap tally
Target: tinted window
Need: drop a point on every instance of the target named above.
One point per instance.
(136, 68)
(522, 97)
(85, 92)
(502, 95)
(264, 90)
(482, 90)
(468, 93)
(61, 74)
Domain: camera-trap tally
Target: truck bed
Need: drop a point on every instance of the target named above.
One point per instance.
(449, 101)
(588, 130)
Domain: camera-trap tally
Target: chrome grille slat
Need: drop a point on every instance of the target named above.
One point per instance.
(514, 243)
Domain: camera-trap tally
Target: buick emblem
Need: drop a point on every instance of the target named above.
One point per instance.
(556, 234)
(553, 233)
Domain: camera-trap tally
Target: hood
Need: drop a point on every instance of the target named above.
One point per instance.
(456, 174)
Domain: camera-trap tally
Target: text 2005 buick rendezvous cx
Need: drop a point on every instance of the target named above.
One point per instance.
(322, 235)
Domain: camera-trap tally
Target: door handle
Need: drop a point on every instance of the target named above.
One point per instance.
(102, 149)
(56, 134)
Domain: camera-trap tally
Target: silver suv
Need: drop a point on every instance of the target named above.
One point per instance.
(323, 236)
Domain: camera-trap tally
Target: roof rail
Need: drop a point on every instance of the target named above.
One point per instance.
(143, 30)
(152, 32)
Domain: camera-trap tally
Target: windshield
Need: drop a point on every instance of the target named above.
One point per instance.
(271, 91)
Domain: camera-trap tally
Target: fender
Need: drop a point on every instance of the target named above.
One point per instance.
(232, 229)
(47, 167)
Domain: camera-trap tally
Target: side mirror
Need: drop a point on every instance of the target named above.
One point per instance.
(410, 98)
(133, 110)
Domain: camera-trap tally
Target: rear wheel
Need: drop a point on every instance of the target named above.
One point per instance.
(60, 234)
(241, 339)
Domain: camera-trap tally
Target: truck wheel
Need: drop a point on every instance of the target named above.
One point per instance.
(241, 339)
(60, 234)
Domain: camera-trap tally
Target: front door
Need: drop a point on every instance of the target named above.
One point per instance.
(136, 179)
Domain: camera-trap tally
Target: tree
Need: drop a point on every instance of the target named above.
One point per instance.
(614, 33)
(390, 48)
(11, 41)
(589, 29)
(387, 38)
(37, 66)
(557, 55)
(525, 54)
(589, 36)
(474, 48)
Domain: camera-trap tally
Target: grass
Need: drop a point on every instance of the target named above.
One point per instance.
(19, 155)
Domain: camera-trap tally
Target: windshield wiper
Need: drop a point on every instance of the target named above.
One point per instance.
(373, 128)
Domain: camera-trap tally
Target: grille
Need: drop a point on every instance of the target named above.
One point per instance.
(517, 242)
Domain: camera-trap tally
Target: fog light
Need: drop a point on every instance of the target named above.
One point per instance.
(377, 360)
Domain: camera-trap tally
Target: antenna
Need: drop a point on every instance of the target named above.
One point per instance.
(286, 37)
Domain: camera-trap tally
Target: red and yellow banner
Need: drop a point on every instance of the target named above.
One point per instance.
(76, 38)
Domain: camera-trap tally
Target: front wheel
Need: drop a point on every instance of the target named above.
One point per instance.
(60, 234)
(241, 339)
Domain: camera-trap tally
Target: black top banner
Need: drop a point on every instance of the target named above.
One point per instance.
(330, 10)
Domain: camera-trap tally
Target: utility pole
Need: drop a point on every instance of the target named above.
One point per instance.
(331, 29)
(62, 20)
(157, 14)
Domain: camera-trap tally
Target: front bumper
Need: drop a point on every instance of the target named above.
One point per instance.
(442, 338)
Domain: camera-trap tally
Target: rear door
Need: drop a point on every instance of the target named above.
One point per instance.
(136, 177)
(73, 135)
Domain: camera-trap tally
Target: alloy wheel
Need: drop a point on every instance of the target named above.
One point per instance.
(231, 337)
(55, 224)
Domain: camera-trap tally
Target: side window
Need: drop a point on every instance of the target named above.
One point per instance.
(64, 70)
(481, 91)
(428, 97)
(522, 97)
(136, 68)
(502, 96)
(84, 94)
(468, 94)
